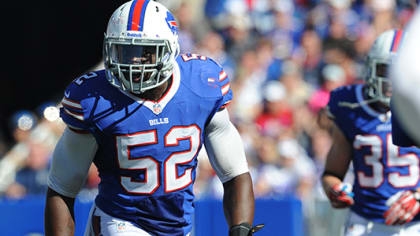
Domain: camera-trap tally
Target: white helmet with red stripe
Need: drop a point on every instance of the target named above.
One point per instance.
(140, 46)
(379, 59)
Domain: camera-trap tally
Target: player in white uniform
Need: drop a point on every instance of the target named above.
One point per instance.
(405, 74)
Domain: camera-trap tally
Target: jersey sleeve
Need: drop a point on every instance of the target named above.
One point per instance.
(216, 77)
(338, 113)
(207, 79)
(332, 107)
(225, 89)
(72, 111)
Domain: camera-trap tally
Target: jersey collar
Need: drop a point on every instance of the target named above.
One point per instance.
(359, 96)
(157, 107)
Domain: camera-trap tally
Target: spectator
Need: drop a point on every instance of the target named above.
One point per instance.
(333, 76)
(297, 90)
(277, 117)
(309, 56)
(32, 178)
(269, 169)
(247, 87)
(213, 45)
(23, 168)
(21, 124)
(288, 162)
(239, 37)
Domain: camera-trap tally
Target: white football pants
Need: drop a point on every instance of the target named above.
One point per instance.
(358, 226)
(102, 224)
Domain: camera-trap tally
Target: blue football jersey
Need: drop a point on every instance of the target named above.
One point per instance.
(147, 151)
(381, 168)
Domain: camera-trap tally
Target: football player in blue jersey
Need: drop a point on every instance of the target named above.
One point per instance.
(405, 74)
(384, 198)
(142, 121)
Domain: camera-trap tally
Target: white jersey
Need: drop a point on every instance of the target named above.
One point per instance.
(405, 74)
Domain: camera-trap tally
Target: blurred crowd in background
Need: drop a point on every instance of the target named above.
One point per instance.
(283, 57)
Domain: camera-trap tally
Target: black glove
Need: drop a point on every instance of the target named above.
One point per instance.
(244, 229)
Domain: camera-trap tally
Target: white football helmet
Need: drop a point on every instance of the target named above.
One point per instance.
(379, 60)
(140, 46)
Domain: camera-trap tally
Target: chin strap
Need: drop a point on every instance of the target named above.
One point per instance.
(353, 105)
(366, 101)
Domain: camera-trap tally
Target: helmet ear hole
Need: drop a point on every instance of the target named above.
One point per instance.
(146, 46)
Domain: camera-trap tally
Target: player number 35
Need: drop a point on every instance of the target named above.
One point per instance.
(393, 159)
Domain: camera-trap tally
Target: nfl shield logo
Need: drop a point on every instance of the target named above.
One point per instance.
(157, 109)
(121, 226)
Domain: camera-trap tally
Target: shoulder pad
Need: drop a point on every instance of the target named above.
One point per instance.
(73, 107)
(206, 78)
(339, 96)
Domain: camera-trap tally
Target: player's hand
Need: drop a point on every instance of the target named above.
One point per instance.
(403, 207)
(244, 229)
(341, 195)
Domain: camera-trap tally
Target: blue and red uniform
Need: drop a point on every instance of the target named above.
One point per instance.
(381, 168)
(147, 151)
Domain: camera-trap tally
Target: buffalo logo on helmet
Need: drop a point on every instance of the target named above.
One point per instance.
(170, 20)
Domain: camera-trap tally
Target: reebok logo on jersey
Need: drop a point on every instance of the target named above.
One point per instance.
(159, 121)
(384, 127)
(67, 94)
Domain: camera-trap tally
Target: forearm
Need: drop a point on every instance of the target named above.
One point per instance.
(238, 200)
(338, 160)
(59, 215)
